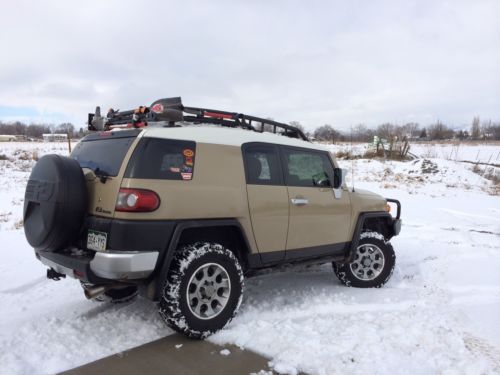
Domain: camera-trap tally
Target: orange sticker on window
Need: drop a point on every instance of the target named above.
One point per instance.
(188, 153)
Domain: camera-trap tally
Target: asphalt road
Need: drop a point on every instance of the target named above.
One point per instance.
(177, 355)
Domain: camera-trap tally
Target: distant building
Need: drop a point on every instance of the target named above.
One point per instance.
(55, 137)
(7, 138)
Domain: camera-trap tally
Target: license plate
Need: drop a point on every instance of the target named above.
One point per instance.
(96, 240)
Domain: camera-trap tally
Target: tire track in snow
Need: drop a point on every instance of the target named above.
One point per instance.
(481, 347)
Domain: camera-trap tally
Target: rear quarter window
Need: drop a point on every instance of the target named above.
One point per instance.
(162, 159)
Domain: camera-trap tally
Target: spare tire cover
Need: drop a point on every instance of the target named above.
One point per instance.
(55, 203)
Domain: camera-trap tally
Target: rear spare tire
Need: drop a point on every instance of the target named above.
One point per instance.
(55, 203)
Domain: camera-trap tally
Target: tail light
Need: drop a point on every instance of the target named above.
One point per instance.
(137, 200)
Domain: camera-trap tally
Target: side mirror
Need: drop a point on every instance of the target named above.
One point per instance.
(338, 181)
(339, 177)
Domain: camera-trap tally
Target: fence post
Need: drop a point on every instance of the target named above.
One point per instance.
(69, 142)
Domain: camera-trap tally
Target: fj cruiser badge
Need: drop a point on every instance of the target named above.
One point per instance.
(100, 209)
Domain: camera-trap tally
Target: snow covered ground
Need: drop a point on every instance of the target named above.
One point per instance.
(482, 152)
(438, 314)
(474, 152)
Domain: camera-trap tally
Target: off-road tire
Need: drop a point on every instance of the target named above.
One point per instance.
(345, 273)
(186, 265)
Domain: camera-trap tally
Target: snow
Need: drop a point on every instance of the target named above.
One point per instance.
(482, 152)
(225, 352)
(225, 136)
(438, 314)
(475, 152)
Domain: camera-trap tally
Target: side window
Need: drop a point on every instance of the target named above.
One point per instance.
(307, 168)
(165, 159)
(262, 165)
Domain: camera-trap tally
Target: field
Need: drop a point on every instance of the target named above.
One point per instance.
(438, 314)
(474, 152)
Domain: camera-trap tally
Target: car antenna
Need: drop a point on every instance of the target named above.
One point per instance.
(352, 163)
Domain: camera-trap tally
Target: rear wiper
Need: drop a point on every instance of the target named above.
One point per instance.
(103, 175)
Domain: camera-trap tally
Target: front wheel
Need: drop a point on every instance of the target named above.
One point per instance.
(373, 263)
(203, 289)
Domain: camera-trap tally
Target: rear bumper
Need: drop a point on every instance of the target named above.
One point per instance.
(124, 265)
(133, 248)
(102, 267)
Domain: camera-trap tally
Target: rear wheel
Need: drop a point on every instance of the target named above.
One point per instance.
(203, 290)
(373, 263)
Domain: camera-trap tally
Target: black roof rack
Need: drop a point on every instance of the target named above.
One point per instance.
(171, 111)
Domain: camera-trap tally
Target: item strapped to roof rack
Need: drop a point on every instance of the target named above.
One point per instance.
(171, 110)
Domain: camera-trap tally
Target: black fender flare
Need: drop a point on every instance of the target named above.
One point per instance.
(164, 265)
(393, 223)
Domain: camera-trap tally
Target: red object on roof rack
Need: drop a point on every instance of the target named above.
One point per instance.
(171, 111)
(217, 114)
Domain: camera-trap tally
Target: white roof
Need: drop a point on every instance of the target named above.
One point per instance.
(225, 136)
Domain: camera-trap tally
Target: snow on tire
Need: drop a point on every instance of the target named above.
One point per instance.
(203, 289)
(373, 263)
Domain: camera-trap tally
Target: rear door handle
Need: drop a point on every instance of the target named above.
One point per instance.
(299, 201)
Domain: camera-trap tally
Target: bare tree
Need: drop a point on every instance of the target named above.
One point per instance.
(440, 131)
(361, 133)
(386, 131)
(298, 125)
(476, 128)
(412, 129)
(326, 133)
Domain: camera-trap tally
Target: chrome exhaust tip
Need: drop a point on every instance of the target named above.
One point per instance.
(95, 291)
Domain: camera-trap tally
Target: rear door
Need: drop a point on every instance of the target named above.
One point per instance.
(319, 223)
(267, 199)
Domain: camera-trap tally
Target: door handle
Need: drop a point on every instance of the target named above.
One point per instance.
(299, 201)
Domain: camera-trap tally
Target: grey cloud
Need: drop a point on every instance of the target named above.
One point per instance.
(317, 62)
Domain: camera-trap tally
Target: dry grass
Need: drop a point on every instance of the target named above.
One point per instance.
(491, 173)
(374, 154)
(342, 155)
(4, 216)
(26, 155)
(458, 142)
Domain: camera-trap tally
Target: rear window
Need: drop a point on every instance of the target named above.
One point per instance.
(103, 155)
(164, 159)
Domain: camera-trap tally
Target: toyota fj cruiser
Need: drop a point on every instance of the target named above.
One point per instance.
(181, 203)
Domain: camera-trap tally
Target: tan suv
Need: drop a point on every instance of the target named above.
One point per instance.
(181, 203)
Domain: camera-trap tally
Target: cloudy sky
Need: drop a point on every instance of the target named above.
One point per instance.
(336, 62)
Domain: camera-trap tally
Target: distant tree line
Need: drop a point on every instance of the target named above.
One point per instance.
(478, 130)
(35, 131)
(485, 130)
